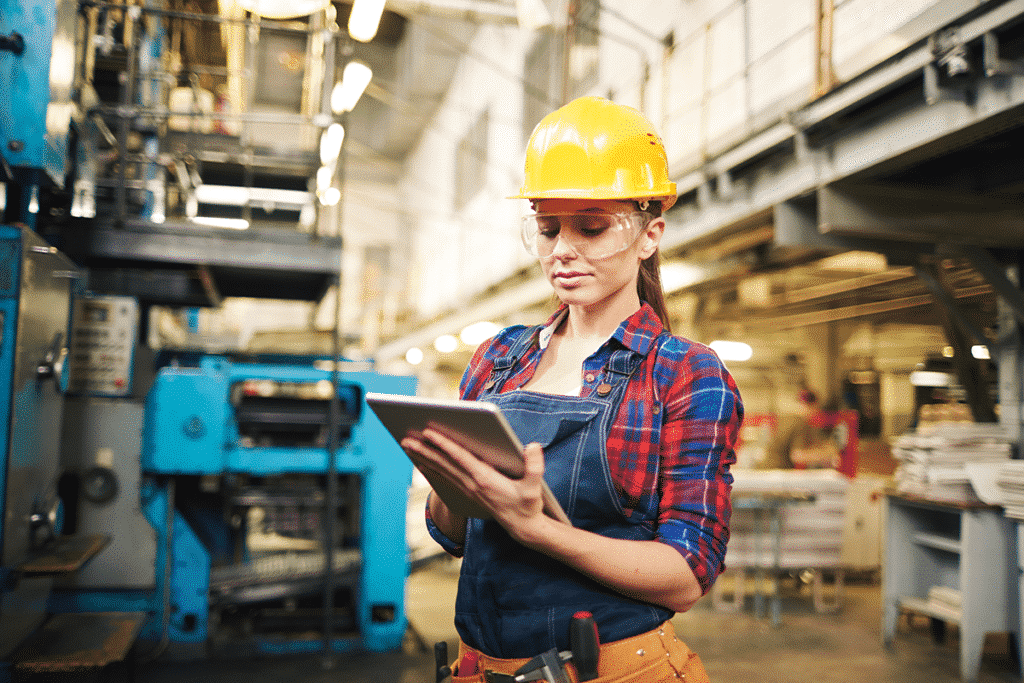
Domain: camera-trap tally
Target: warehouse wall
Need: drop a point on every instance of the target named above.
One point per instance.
(733, 68)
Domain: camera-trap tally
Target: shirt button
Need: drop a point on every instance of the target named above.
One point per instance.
(589, 377)
(604, 389)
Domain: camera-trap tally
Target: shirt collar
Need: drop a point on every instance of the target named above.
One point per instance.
(636, 333)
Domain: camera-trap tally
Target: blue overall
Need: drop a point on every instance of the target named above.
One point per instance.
(515, 602)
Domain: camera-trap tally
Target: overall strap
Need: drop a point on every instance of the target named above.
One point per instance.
(505, 364)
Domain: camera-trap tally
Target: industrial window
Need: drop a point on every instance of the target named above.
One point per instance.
(583, 46)
(471, 161)
(542, 75)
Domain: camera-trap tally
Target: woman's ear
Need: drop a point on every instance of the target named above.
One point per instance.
(651, 239)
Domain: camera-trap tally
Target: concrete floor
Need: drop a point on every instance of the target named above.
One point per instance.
(736, 647)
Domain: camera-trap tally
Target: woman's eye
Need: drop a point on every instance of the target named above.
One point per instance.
(547, 227)
(592, 226)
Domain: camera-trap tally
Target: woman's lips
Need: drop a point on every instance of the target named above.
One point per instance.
(568, 278)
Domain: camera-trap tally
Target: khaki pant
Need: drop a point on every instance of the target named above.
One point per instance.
(653, 657)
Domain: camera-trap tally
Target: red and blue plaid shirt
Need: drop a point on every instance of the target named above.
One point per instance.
(681, 482)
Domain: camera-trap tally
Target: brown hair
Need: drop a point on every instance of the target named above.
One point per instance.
(648, 282)
(648, 286)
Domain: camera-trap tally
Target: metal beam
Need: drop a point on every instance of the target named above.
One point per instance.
(983, 262)
(913, 131)
(919, 214)
(271, 250)
(952, 309)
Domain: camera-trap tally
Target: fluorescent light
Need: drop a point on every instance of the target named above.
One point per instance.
(33, 200)
(446, 343)
(478, 332)
(235, 195)
(224, 195)
(731, 350)
(215, 222)
(924, 378)
(330, 144)
(347, 92)
(324, 177)
(980, 352)
(330, 197)
(364, 19)
(414, 356)
(676, 275)
(307, 215)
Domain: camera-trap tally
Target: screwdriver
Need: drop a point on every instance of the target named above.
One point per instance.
(584, 644)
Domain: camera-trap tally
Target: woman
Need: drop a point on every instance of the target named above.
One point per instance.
(633, 429)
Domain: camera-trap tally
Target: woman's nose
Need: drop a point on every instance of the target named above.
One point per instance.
(563, 251)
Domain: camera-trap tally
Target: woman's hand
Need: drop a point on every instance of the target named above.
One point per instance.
(644, 570)
(515, 503)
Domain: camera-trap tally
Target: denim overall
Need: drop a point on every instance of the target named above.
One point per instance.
(515, 602)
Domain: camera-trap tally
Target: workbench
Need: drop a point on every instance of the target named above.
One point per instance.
(949, 547)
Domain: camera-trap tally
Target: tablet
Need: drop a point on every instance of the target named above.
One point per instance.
(478, 426)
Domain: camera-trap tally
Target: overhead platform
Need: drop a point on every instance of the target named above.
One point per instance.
(188, 266)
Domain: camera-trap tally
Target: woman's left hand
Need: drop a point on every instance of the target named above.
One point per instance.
(517, 504)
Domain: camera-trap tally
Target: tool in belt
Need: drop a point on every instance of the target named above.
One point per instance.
(548, 666)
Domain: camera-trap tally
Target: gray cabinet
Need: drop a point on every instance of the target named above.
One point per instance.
(965, 551)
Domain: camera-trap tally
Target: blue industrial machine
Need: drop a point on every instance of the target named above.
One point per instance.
(190, 499)
(35, 291)
(234, 483)
(37, 65)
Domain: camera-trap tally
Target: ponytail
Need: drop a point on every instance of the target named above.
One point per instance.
(648, 286)
(648, 283)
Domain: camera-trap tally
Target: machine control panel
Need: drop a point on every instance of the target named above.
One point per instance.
(102, 345)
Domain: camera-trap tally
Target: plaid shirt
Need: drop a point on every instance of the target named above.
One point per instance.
(676, 480)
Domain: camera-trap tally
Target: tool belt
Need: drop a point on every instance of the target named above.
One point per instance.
(651, 657)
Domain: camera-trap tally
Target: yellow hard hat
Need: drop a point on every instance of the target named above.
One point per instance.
(593, 148)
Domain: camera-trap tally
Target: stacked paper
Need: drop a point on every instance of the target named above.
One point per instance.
(934, 463)
(810, 532)
(1010, 483)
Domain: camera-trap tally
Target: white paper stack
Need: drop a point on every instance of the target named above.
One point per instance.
(810, 532)
(1010, 483)
(945, 601)
(933, 463)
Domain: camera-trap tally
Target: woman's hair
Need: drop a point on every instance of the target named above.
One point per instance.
(648, 286)
(648, 283)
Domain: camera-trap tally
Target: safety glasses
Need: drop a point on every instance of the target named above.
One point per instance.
(592, 235)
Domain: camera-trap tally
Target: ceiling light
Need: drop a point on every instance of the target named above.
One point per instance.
(284, 9)
(980, 352)
(307, 215)
(731, 350)
(330, 144)
(215, 222)
(446, 343)
(330, 197)
(925, 378)
(478, 332)
(364, 19)
(324, 178)
(347, 92)
(677, 275)
(414, 356)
